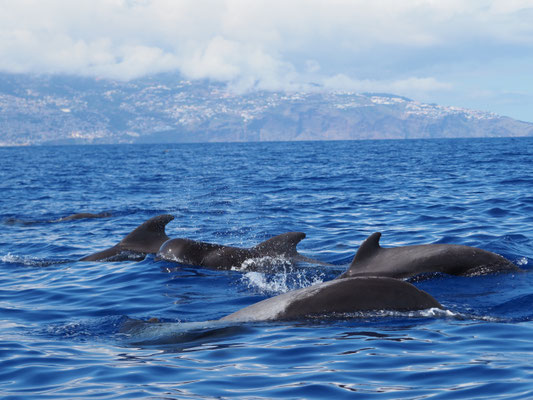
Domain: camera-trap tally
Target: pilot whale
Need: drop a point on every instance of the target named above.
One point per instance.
(73, 217)
(147, 238)
(402, 262)
(324, 300)
(339, 296)
(191, 252)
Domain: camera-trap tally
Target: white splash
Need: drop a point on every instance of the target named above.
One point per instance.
(437, 313)
(262, 262)
(280, 282)
(10, 258)
(29, 261)
(25, 260)
(522, 261)
(427, 313)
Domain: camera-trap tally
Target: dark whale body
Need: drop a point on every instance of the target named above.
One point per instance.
(147, 238)
(327, 299)
(210, 255)
(403, 262)
(84, 216)
(72, 217)
(338, 296)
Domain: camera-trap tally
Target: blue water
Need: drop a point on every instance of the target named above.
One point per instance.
(61, 319)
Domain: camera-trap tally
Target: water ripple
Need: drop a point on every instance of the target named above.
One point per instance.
(63, 322)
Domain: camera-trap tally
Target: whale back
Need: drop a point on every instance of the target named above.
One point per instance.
(368, 249)
(84, 216)
(146, 238)
(284, 244)
(212, 255)
(190, 252)
(149, 236)
(339, 296)
(361, 294)
(406, 261)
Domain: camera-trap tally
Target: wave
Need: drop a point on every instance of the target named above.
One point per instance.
(30, 261)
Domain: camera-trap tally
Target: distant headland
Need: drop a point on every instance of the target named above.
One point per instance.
(46, 110)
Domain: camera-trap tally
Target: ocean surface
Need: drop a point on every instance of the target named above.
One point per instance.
(62, 321)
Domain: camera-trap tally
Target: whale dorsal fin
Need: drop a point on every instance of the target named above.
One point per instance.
(368, 248)
(148, 236)
(281, 244)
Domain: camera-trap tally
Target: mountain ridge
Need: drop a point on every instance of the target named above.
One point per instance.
(41, 110)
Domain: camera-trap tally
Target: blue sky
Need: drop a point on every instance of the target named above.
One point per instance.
(475, 54)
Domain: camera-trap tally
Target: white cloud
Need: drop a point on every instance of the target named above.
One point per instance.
(415, 87)
(509, 6)
(419, 85)
(404, 46)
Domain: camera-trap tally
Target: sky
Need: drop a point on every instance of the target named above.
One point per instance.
(475, 54)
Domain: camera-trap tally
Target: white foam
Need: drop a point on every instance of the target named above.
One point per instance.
(10, 258)
(427, 313)
(522, 262)
(171, 257)
(29, 261)
(437, 313)
(25, 260)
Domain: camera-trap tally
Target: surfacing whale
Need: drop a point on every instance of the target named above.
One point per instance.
(191, 252)
(402, 262)
(73, 217)
(339, 296)
(147, 238)
(343, 295)
(332, 299)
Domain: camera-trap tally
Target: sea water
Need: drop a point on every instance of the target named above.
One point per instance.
(61, 320)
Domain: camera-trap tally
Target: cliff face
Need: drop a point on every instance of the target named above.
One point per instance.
(62, 110)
